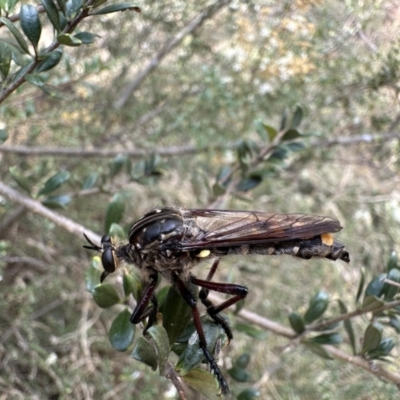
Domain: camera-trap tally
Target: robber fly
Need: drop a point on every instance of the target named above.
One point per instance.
(171, 241)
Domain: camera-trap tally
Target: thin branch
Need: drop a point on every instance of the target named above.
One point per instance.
(282, 330)
(36, 207)
(194, 24)
(174, 150)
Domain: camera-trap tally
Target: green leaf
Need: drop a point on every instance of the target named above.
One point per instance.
(132, 284)
(291, 134)
(98, 3)
(389, 290)
(72, 8)
(53, 202)
(239, 374)
(116, 7)
(261, 131)
(17, 34)
(248, 394)
(105, 295)
(50, 60)
(360, 285)
(54, 182)
(249, 183)
(116, 230)
(243, 360)
(395, 323)
(318, 349)
(86, 37)
(23, 182)
(348, 326)
(372, 337)
(372, 302)
(5, 59)
(218, 189)
(375, 287)
(146, 353)
(52, 13)
(3, 135)
(30, 23)
(68, 40)
(203, 382)
(250, 330)
(297, 117)
(62, 6)
(116, 164)
(115, 211)
(393, 261)
(9, 5)
(318, 305)
(122, 331)
(90, 181)
(327, 338)
(384, 348)
(93, 273)
(296, 322)
(176, 314)
(272, 132)
(160, 338)
(35, 80)
(193, 355)
(284, 118)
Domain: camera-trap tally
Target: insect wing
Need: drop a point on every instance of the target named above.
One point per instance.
(221, 228)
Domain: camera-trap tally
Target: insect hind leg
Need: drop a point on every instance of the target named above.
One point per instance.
(239, 292)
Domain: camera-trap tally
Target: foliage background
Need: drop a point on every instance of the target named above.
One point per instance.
(338, 60)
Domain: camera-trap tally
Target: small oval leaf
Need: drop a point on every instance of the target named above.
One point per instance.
(93, 273)
(23, 182)
(203, 382)
(243, 360)
(375, 287)
(327, 338)
(248, 394)
(105, 295)
(372, 337)
(297, 117)
(160, 338)
(318, 305)
(90, 181)
(54, 182)
(86, 37)
(390, 289)
(51, 60)
(17, 34)
(239, 374)
(69, 40)
(30, 23)
(296, 322)
(146, 353)
(122, 331)
(384, 348)
(132, 284)
(52, 13)
(115, 211)
(55, 202)
(5, 60)
(116, 7)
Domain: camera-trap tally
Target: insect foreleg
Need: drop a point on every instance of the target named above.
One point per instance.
(141, 311)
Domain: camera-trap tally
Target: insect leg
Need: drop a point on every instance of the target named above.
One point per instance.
(239, 292)
(141, 311)
(191, 301)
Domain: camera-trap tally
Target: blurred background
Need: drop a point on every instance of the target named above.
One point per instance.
(168, 107)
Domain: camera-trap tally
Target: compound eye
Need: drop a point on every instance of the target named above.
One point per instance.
(107, 258)
(105, 239)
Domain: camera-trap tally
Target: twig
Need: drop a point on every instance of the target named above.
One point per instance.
(195, 23)
(281, 330)
(36, 207)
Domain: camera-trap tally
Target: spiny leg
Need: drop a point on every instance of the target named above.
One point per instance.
(141, 311)
(239, 292)
(191, 301)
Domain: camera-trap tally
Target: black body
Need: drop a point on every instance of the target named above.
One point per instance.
(171, 241)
